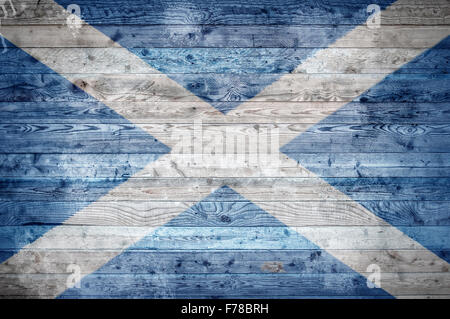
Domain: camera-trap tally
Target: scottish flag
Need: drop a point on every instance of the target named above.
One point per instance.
(224, 149)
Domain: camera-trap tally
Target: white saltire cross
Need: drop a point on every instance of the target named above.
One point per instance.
(325, 207)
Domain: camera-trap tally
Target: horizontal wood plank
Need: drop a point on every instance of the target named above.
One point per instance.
(224, 36)
(289, 88)
(152, 286)
(219, 61)
(234, 12)
(252, 113)
(204, 238)
(229, 261)
(145, 213)
(184, 189)
(329, 165)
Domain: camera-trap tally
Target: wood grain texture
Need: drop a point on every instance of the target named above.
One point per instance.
(199, 36)
(166, 285)
(157, 88)
(235, 262)
(268, 189)
(225, 248)
(265, 12)
(88, 138)
(190, 238)
(146, 213)
(431, 165)
(253, 113)
(214, 60)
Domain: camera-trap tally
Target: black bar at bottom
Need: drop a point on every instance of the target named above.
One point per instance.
(226, 308)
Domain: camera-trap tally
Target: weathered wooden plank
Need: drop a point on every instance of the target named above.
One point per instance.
(185, 189)
(235, 12)
(152, 286)
(189, 238)
(223, 36)
(374, 60)
(105, 166)
(347, 87)
(376, 138)
(124, 138)
(357, 191)
(88, 138)
(214, 286)
(227, 261)
(72, 165)
(37, 88)
(219, 213)
(378, 164)
(290, 87)
(131, 213)
(253, 112)
(380, 237)
(396, 213)
(142, 213)
(223, 60)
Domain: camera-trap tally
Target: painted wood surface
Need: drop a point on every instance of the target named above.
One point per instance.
(234, 12)
(87, 121)
(235, 36)
(289, 88)
(236, 262)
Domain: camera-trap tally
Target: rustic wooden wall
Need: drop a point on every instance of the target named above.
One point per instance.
(87, 120)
